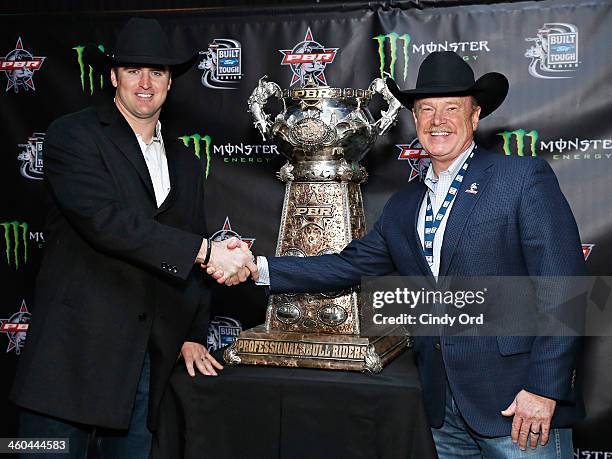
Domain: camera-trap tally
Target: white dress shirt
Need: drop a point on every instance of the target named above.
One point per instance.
(155, 156)
(437, 188)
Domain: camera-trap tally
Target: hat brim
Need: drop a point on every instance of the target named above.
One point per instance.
(98, 58)
(490, 91)
(176, 66)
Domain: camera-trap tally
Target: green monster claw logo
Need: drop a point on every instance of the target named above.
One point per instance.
(197, 139)
(15, 237)
(392, 37)
(519, 135)
(79, 50)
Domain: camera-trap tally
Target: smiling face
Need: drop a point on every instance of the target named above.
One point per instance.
(445, 127)
(141, 92)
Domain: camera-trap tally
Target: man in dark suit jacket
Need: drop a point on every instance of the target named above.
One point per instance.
(506, 217)
(120, 294)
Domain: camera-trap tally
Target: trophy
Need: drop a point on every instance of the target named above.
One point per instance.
(323, 132)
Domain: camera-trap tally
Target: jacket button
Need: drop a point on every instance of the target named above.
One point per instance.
(174, 270)
(164, 265)
(142, 316)
(437, 346)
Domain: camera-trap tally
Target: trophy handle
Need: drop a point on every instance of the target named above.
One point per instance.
(388, 117)
(258, 99)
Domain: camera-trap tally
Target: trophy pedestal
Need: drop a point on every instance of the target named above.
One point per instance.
(317, 330)
(257, 346)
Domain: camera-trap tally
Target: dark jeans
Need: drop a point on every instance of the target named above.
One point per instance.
(135, 443)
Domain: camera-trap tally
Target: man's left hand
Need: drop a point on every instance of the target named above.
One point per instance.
(532, 415)
(194, 354)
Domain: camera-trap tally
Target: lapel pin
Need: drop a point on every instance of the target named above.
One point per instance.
(473, 189)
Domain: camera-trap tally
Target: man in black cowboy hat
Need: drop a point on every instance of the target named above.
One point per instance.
(478, 213)
(120, 294)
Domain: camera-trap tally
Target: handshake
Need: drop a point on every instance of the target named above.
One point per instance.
(229, 262)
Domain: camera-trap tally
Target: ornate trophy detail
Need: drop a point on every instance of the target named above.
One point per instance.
(323, 132)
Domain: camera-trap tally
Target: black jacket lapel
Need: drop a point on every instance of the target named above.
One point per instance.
(121, 134)
(170, 149)
(479, 172)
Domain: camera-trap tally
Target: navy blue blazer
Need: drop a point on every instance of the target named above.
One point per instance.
(518, 224)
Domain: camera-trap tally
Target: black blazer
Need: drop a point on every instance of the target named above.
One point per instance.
(117, 276)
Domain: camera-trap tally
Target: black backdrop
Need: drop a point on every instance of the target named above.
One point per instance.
(556, 55)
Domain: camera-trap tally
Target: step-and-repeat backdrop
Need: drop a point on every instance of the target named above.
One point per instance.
(556, 55)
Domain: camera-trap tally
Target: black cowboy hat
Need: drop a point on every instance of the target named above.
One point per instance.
(445, 73)
(142, 42)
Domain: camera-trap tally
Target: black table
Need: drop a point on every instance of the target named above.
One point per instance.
(267, 413)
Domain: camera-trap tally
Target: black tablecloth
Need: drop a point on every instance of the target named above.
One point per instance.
(268, 412)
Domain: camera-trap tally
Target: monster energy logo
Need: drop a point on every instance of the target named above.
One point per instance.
(392, 37)
(519, 135)
(197, 142)
(14, 239)
(90, 73)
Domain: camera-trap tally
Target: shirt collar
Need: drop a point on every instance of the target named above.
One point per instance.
(431, 179)
(156, 134)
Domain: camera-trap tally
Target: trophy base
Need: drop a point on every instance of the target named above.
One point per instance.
(257, 346)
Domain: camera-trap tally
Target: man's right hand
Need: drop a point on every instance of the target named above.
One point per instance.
(224, 277)
(231, 262)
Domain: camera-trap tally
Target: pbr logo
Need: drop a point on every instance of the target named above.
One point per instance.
(308, 60)
(586, 250)
(222, 331)
(222, 64)
(554, 53)
(227, 232)
(31, 157)
(314, 215)
(19, 66)
(417, 158)
(16, 328)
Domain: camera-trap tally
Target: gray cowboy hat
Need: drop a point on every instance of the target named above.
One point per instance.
(445, 73)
